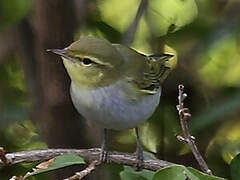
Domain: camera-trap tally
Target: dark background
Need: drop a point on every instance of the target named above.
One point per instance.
(35, 106)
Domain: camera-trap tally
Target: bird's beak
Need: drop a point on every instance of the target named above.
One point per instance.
(61, 52)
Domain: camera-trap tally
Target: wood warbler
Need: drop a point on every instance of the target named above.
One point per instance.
(113, 85)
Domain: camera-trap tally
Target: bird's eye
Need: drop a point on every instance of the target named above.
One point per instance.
(87, 61)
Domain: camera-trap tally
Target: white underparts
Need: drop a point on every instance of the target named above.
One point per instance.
(114, 107)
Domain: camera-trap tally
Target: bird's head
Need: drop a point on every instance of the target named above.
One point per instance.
(91, 62)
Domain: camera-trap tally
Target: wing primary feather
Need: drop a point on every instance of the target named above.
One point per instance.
(153, 78)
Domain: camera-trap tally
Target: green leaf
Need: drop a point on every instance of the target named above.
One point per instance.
(130, 174)
(221, 56)
(171, 15)
(57, 163)
(203, 176)
(178, 172)
(235, 167)
(111, 10)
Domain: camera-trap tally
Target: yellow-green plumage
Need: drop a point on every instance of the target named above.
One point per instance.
(114, 86)
(115, 61)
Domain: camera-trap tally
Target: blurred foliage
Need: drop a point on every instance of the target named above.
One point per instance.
(235, 171)
(206, 35)
(13, 11)
(170, 15)
(14, 102)
(110, 10)
(222, 59)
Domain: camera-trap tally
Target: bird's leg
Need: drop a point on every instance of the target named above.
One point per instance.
(104, 153)
(139, 152)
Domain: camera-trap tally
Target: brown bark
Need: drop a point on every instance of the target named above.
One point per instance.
(54, 24)
(47, 80)
(88, 155)
(54, 27)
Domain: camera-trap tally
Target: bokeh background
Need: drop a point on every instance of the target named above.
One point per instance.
(35, 106)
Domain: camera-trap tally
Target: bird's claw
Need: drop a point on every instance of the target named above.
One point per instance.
(139, 160)
(103, 156)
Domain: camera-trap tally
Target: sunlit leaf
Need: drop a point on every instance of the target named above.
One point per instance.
(171, 15)
(149, 137)
(170, 50)
(118, 14)
(226, 141)
(221, 60)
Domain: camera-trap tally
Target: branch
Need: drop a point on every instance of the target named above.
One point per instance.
(85, 172)
(184, 116)
(129, 34)
(3, 156)
(89, 155)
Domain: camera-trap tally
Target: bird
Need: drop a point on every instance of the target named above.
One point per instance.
(113, 85)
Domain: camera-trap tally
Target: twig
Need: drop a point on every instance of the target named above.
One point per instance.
(85, 172)
(17, 178)
(88, 154)
(3, 157)
(129, 34)
(184, 116)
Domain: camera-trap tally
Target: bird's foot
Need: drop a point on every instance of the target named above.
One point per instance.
(139, 153)
(140, 160)
(103, 158)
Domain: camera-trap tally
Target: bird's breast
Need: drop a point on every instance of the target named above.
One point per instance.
(114, 107)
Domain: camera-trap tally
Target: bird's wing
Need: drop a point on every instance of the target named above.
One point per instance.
(146, 72)
(155, 73)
